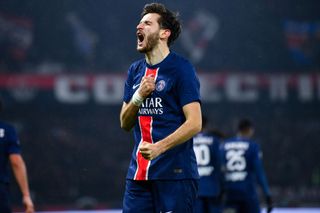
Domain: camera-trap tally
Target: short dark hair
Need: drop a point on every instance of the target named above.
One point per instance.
(245, 124)
(168, 19)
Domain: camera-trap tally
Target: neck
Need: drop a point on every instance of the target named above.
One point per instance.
(157, 54)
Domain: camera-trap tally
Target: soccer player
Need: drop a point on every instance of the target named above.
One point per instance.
(162, 104)
(243, 167)
(10, 153)
(206, 145)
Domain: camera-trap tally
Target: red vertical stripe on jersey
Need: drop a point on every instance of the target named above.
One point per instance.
(145, 123)
(153, 72)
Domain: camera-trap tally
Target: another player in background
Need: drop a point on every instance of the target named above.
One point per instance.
(206, 145)
(10, 153)
(243, 168)
(162, 104)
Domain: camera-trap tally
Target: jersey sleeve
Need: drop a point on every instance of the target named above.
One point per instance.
(13, 145)
(128, 85)
(261, 177)
(188, 85)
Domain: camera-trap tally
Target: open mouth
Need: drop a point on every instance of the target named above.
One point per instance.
(140, 37)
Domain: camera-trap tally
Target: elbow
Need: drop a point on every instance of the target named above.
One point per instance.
(197, 126)
(16, 161)
(124, 123)
(15, 165)
(125, 127)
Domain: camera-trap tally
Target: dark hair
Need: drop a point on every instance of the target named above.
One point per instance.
(168, 19)
(244, 125)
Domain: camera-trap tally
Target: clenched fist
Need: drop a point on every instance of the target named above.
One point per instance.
(149, 150)
(147, 86)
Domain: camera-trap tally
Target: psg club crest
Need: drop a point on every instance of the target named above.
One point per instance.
(160, 85)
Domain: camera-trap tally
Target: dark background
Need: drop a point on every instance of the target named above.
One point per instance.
(77, 154)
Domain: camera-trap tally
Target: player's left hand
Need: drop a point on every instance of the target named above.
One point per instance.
(149, 150)
(28, 204)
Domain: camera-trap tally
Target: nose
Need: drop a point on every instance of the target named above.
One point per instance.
(139, 26)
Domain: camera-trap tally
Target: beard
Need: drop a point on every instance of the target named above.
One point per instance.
(152, 41)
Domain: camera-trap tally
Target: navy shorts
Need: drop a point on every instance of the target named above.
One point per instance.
(160, 196)
(4, 198)
(243, 206)
(208, 205)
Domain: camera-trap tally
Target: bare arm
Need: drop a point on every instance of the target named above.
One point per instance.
(128, 115)
(188, 129)
(20, 173)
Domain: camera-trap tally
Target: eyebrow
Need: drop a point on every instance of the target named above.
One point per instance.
(146, 21)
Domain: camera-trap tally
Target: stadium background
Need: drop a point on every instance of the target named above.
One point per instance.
(62, 67)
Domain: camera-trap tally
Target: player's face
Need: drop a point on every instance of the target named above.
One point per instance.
(148, 32)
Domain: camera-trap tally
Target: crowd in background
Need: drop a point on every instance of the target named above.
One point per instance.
(99, 36)
(76, 152)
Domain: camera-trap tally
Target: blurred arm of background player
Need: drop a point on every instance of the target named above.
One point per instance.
(262, 180)
(20, 173)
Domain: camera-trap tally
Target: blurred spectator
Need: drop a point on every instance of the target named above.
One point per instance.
(85, 40)
(16, 36)
(303, 41)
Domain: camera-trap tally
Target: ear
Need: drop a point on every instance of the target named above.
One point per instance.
(165, 33)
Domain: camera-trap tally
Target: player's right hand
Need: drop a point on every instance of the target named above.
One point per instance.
(147, 86)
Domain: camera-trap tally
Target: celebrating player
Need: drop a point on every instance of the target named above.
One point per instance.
(162, 105)
(243, 166)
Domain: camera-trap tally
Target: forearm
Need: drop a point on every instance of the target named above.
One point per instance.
(186, 131)
(20, 174)
(261, 178)
(128, 115)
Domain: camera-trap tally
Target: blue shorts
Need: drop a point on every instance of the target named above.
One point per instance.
(160, 196)
(208, 205)
(4, 198)
(243, 206)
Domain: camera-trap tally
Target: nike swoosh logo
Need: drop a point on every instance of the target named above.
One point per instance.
(135, 86)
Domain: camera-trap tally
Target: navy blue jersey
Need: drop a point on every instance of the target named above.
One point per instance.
(9, 144)
(160, 115)
(243, 168)
(206, 148)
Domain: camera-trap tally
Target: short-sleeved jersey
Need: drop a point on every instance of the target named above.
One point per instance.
(206, 147)
(9, 144)
(160, 115)
(243, 168)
